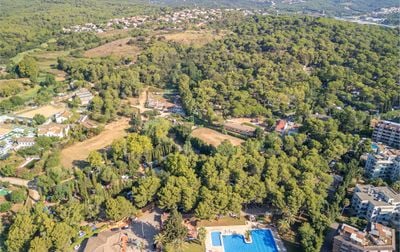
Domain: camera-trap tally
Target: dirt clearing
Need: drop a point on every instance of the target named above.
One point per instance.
(214, 137)
(116, 48)
(193, 38)
(79, 151)
(47, 111)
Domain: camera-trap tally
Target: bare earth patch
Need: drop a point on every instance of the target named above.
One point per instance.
(79, 151)
(214, 137)
(116, 48)
(193, 38)
(46, 111)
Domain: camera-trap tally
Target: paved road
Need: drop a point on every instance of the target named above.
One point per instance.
(33, 193)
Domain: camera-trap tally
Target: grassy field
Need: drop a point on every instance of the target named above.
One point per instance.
(193, 38)
(117, 48)
(47, 61)
(193, 247)
(28, 92)
(79, 151)
(214, 137)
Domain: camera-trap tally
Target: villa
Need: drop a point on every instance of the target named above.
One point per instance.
(24, 142)
(53, 130)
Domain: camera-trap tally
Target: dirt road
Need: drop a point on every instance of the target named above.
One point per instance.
(79, 151)
(33, 194)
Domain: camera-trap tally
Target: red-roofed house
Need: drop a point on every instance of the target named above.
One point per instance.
(281, 126)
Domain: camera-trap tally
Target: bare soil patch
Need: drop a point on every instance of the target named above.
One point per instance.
(116, 48)
(214, 137)
(79, 151)
(46, 111)
(193, 38)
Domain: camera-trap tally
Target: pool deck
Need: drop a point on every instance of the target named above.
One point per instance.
(239, 229)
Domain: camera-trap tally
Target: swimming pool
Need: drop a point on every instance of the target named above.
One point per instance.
(263, 241)
(4, 192)
(216, 238)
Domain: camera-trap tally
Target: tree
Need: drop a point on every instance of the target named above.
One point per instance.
(346, 203)
(39, 244)
(95, 159)
(21, 232)
(159, 240)
(71, 213)
(18, 196)
(157, 129)
(28, 68)
(173, 230)
(137, 145)
(396, 186)
(5, 206)
(201, 235)
(39, 119)
(61, 236)
(145, 190)
(309, 239)
(119, 208)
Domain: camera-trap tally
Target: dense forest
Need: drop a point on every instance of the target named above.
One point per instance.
(268, 66)
(25, 25)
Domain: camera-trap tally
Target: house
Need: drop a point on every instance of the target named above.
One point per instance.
(84, 95)
(241, 129)
(87, 123)
(281, 126)
(377, 204)
(53, 130)
(388, 133)
(63, 116)
(384, 163)
(24, 142)
(107, 241)
(375, 238)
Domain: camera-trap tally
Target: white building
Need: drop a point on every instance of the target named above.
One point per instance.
(388, 133)
(377, 204)
(63, 116)
(383, 163)
(53, 130)
(24, 142)
(84, 95)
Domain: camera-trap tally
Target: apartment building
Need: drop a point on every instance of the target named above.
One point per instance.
(383, 163)
(377, 204)
(376, 238)
(387, 132)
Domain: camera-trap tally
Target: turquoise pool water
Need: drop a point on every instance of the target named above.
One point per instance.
(216, 238)
(263, 241)
(4, 192)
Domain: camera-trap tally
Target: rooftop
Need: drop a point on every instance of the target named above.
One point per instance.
(388, 124)
(280, 125)
(378, 196)
(105, 241)
(375, 235)
(25, 140)
(51, 127)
